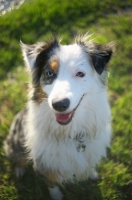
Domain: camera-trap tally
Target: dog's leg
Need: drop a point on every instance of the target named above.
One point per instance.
(20, 168)
(19, 171)
(94, 175)
(50, 179)
(55, 193)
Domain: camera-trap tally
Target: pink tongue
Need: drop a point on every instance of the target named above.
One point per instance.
(63, 117)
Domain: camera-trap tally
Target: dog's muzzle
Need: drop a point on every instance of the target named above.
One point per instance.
(61, 106)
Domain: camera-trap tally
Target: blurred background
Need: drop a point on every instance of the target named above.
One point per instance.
(35, 20)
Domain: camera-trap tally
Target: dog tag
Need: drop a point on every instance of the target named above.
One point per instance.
(81, 147)
(80, 143)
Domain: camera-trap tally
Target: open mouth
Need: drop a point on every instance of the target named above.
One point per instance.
(66, 118)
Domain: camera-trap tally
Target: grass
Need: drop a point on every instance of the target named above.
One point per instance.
(33, 22)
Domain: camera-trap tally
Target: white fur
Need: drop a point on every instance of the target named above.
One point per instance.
(56, 145)
(55, 193)
(19, 171)
(34, 51)
(29, 59)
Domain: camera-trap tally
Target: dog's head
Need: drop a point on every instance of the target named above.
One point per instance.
(65, 74)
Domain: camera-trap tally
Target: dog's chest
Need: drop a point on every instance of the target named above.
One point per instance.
(67, 156)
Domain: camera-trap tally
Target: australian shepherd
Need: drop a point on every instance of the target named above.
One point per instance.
(66, 125)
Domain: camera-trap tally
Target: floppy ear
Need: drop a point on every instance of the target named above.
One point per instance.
(100, 55)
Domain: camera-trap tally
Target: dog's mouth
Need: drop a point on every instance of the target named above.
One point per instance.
(66, 118)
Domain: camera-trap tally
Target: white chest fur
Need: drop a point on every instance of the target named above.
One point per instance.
(59, 150)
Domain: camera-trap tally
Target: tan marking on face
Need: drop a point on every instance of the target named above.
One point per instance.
(54, 64)
(41, 95)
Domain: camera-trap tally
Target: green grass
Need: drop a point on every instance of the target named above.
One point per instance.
(34, 21)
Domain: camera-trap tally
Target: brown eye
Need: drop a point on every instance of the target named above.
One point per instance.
(80, 74)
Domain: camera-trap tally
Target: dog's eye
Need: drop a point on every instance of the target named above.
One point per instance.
(80, 74)
(49, 74)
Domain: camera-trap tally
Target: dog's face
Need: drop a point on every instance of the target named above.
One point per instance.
(65, 74)
(73, 80)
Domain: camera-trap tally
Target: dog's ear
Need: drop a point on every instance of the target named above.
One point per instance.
(100, 55)
(29, 54)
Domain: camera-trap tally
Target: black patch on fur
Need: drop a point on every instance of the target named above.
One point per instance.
(41, 53)
(100, 56)
(41, 64)
(14, 143)
(100, 53)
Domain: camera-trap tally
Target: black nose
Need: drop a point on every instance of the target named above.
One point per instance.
(61, 105)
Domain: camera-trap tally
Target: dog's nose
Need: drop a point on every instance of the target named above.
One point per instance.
(61, 105)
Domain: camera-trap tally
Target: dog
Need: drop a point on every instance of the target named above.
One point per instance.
(65, 128)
